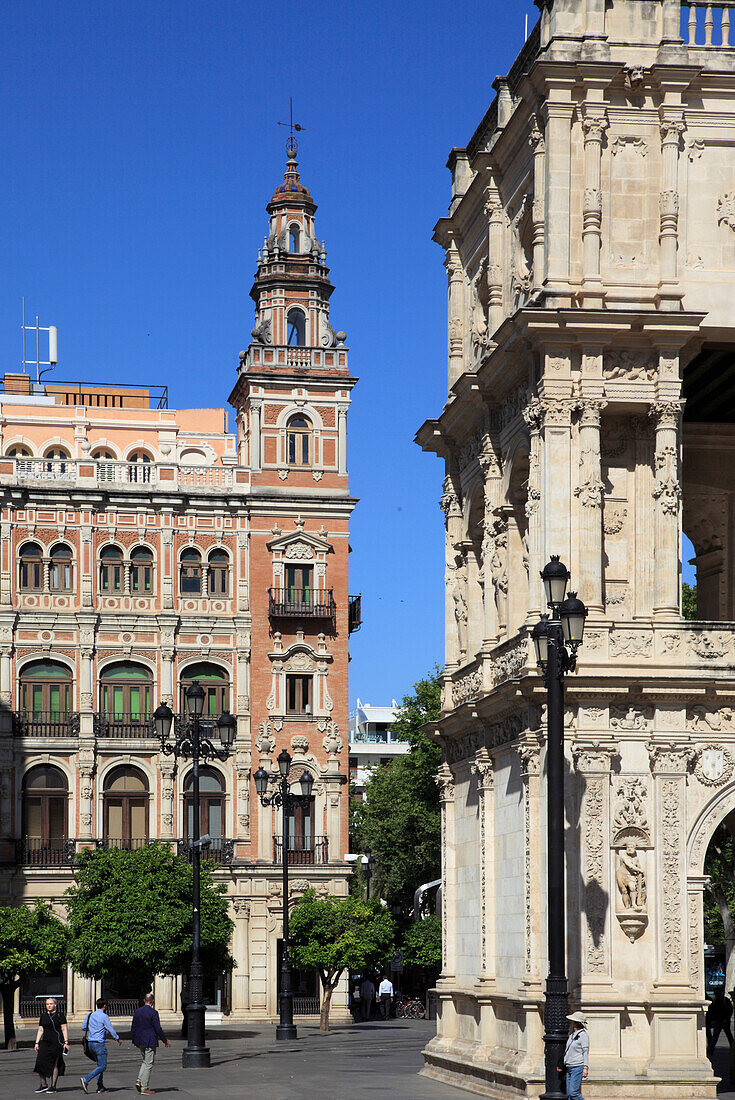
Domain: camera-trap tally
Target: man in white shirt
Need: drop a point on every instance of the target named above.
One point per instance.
(385, 992)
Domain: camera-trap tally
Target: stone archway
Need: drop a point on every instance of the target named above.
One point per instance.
(716, 810)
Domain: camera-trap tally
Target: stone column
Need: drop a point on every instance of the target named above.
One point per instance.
(242, 772)
(255, 407)
(483, 770)
(342, 439)
(241, 953)
(669, 765)
(667, 497)
(85, 788)
(167, 788)
(593, 763)
(558, 154)
(533, 416)
(242, 573)
(445, 782)
(556, 492)
(6, 675)
(535, 950)
(643, 517)
(455, 349)
(672, 127)
(593, 125)
(168, 687)
(493, 483)
(495, 233)
(589, 494)
(451, 506)
(536, 142)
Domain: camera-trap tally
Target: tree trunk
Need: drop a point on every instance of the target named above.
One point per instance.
(326, 1002)
(7, 992)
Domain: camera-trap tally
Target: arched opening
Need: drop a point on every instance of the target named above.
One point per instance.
(60, 569)
(125, 798)
(111, 570)
(18, 451)
(298, 441)
(294, 238)
(45, 796)
(57, 461)
(215, 683)
(296, 328)
(45, 699)
(211, 809)
(139, 468)
(190, 581)
(126, 700)
(141, 571)
(218, 573)
(30, 568)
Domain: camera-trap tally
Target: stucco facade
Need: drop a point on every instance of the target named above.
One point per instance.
(590, 251)
(143, 547)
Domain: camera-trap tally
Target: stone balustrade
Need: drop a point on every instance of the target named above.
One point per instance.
(707, 24)
(141, 476)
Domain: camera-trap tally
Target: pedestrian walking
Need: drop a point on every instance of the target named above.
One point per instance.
(367, 993)
(98, 1026)
(52, 1043)
(385, 993)
(145, 1032)
(576, 1055)
(719, 1014)
(185, 998)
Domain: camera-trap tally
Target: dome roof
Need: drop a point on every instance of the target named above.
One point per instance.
(292, 186)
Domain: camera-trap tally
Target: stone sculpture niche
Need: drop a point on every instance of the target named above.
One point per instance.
(631, 839)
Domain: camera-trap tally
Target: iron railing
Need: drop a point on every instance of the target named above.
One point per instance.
(33, 851)
(302, 850)
(32, 1007)
(305, 1006)
(301, 603)
(126, 843)
(122, 1006)
(354, 613)
(27, 723)
(220, 851)
(122, 726)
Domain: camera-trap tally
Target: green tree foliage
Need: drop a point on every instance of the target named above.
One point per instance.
(399, 818)
(422, 943)
(32, 941)
(332, 935)
(130, 916)
(689, 600)
(719, 897)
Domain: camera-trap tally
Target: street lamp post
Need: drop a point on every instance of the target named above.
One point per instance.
(563, 628)
(188, 743)
(283, 797)
(369, 863)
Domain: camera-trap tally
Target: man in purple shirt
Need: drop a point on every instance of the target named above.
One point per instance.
(145, 1032)
(98, 1026)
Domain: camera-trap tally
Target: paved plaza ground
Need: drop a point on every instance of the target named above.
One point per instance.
(351, 1063)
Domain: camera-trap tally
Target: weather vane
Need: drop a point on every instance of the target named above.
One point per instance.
(292, 147)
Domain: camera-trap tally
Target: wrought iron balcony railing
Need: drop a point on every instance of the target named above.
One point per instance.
(31, 1007)
(28, 723)
(33, 851)
(126, 843)
(302, 850)
(119, 725)
(354, 614)
(301, 603)
(220, 851)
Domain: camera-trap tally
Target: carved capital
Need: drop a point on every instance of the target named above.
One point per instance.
(591, 413)
(665, 413)
(593, 127)
(445, 782)
(595, 757)
(667, 758)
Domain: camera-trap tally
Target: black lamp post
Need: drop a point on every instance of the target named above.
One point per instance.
(551, 637)
(283, 797)
(189, 744)
(369, 863)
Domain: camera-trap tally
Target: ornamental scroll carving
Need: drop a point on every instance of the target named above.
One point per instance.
(467, 687)
(631, 643)
(671, 805)
(511, 663)
(666, 488)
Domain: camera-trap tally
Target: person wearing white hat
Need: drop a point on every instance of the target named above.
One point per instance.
(576, 1055)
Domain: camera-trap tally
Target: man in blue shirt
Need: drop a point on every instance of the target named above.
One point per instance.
(98, 1026)
(145, 1032)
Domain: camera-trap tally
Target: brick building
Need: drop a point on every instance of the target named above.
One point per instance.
(144, 547)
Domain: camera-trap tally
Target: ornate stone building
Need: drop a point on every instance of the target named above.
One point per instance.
(143, 548)
(590, 250)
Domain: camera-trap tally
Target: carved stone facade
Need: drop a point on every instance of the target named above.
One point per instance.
(591, 253)
(144, 547)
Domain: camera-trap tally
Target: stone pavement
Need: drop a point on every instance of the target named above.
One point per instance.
(351, 1063)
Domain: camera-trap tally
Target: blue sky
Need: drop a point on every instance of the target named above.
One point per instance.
(140, 147)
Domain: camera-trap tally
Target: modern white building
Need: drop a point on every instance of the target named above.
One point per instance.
(371, 741)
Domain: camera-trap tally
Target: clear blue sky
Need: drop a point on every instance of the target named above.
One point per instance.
(140, 146)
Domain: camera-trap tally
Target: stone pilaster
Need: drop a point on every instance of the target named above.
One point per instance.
(555, 499)
(451, 506)
(167, 770)
(445, 782)
(495, 228)
(241, 953)
(455, 335)
(589, 493)
(484, 774)
(492, 492)
(667, 498)
(535, 953)
(255, 409)
(594, 124)
(669, 765)
(538, 213)
(342, 440)
(644, 522)
(85, 787)
(672, 127)
(533, 416)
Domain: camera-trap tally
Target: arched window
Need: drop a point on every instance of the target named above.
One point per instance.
(103, 454)
(211, 808)
(111, 570)
(125, 800)
(191, 573)
(294, 238)
(18, 451)
(44, 815)
(141, 571)
(45, 698)
(60, 570)
(216, 684)
(218, 575)
(31, 568)
(296, 327)
(139, 470)
(298, 441)
(126, 700)
(57, 458)
(193, 458)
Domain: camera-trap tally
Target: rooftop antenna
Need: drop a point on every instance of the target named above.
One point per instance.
(53, 346)
(526, 38)
(292, 147)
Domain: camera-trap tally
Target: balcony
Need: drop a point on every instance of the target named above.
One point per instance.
(124, 727)
(297, 603)
(45, 724)
(32, 851)
(354, 614)
(126, 843)
(303, 851)
(108, 474)
(220, 851)
(364, 737)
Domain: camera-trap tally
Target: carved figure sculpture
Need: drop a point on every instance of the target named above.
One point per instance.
(631, 879)
(460, 604)
(478, 328)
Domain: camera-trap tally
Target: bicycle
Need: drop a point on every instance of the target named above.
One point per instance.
(410, 1008)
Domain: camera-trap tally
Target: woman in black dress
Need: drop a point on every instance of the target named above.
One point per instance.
(52, 1040)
